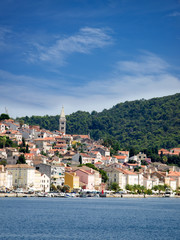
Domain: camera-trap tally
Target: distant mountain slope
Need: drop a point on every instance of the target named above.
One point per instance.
(140, 123)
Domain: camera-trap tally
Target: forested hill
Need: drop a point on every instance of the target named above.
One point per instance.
(140, 123)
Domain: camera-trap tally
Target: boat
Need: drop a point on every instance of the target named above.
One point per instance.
(169, 193)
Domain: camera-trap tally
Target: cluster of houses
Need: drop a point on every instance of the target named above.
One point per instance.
(53, 159)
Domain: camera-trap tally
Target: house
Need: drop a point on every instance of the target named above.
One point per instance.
(133, 177)
(44, 169)
(14, 135)
(103, 150)
(85, 158)
(12, 156)
(37, 182)
(23, 175)
(2, 127)
(3, 154)
(11, 124)
(115, 175)
(35, 151)
(131, 165)
(5, 178)
(96, 155)
(171, 179)
(86, 178)
(72, 180)
(45, 183)
(163, 151)
(124, 177)
(123, 153)
(121, 159)
(175, 151)
(176, 177)
(57, 174)
(149, 182)
(97, 176)
(141, 156)
(106, 160)
(27, 133)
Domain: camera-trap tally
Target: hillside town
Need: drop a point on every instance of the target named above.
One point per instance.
(47, 161)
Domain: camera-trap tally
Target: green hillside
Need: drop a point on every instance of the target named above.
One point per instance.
(140, 123)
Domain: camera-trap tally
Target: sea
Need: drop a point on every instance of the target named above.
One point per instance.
(89, 218)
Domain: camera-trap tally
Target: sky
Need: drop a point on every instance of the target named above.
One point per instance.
(86, 54)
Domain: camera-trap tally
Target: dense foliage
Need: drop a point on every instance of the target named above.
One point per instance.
(140, 123)
(6, 142)
(4, 116)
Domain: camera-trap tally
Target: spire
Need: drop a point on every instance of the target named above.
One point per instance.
(62, 122)
(62, 113)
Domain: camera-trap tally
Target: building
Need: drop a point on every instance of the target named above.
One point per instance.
(124, 177)
(72, 180)
(86, 178)
(44, 169)
(23, 175)
(45, 183)
(5, 178)
(57, 174)
(62, 122)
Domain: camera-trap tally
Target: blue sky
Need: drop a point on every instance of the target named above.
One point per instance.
(86, 54)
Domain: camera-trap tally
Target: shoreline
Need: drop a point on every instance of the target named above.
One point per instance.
(2, 195)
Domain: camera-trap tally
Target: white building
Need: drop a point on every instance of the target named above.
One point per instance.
(5, 178)
(45, 183)
(23, 175)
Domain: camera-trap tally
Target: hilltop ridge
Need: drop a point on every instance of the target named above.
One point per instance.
(140, 123)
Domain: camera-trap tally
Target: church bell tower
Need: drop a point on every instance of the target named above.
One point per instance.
(62, 122)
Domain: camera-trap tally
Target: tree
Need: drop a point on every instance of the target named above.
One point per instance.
(21, 159)
(27, 149)
(53, 188)
(3, 162)
(21, 123)
(4, 116)
(114, 187)
(3, 139)
(129, 187)
(80, 159)
(23, 142)
(66, 188)
(148, 191)
(165, 159)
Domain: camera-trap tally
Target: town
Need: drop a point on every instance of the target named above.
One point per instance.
(45, 162)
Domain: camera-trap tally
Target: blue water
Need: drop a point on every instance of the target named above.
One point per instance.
(87, 218)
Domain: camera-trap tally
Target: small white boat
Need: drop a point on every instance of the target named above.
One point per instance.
(169, 193)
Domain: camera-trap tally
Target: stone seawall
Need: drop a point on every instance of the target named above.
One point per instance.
(16, 195)
(136, 196)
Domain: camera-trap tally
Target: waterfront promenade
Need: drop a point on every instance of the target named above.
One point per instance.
(108, 195)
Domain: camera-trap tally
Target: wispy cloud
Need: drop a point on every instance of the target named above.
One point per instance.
(174, 14)
(83, 42)
(146, 76)
(4, 31)
(145, 64)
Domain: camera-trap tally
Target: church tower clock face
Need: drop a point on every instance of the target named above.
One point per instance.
(62, 122)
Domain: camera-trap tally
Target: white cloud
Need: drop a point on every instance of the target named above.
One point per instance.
(84, 42)
(146, 77)
(4, 31)
(145, 64)
(174, 14)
